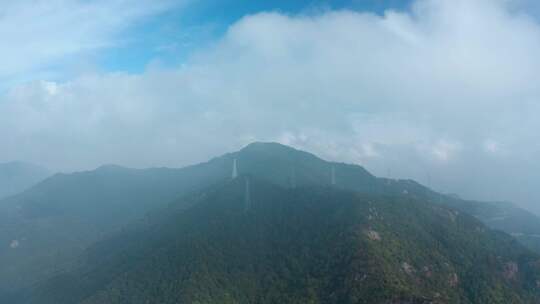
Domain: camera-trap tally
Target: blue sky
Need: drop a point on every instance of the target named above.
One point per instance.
(171, 36)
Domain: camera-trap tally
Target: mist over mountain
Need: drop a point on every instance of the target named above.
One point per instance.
(269, 152)
(115, 234)
(441, 91)
(18, 176)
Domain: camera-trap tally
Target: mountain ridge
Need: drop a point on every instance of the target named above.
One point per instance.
(17, 176)
(312, 244)
(66, 213)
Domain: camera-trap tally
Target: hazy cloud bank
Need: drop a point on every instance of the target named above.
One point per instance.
(446, 93)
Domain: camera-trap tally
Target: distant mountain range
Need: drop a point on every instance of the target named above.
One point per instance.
(18, 176)
(289, 227)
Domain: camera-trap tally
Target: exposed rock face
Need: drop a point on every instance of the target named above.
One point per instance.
(373, 235)
(360, 277)
(510, 271)
(453, 281)
(408, 268)
(14, 244)
(453, 215)
(427, 272)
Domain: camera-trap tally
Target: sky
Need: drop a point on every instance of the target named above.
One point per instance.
(441, 91)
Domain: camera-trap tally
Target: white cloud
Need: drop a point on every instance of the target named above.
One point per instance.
(445, 150)
(412, 91)
(50, 87)
(40, 35)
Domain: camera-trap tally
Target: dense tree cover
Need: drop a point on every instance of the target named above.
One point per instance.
(55, 221)
(305, 245)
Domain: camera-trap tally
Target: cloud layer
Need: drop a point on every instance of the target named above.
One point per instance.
(446, 93)
(40, 35)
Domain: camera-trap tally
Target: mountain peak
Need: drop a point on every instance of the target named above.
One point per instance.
(278, 150)
(268, 146)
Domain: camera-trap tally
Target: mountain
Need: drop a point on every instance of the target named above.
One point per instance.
(45, 230)
(279, 164)
(18, 176)
(311, 244)
(504, 216)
